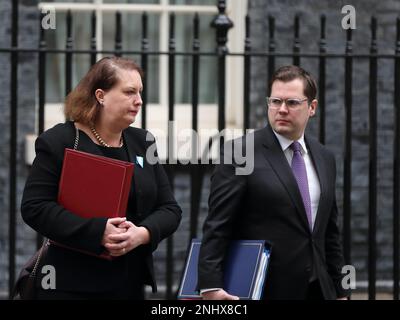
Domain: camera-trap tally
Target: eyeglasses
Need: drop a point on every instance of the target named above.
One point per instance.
(290, 103)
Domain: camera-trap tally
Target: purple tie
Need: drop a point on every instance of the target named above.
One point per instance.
(300, 173)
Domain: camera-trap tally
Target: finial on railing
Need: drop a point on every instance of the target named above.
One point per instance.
(222, 24)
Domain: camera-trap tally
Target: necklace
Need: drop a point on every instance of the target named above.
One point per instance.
(101, 141)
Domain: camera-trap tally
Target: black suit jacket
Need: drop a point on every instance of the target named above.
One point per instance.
(156, 209)
(267, 204)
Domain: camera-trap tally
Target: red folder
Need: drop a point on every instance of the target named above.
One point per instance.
(94, 186)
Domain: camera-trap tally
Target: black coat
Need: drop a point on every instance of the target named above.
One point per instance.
(156, 209)
(267, 204)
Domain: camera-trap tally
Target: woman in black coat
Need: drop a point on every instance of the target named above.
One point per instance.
(100, 111)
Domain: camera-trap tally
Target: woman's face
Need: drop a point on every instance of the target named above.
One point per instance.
(122, 103)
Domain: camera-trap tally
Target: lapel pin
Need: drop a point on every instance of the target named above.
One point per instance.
(139, 161)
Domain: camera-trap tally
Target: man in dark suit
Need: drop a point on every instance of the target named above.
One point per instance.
(288, 199)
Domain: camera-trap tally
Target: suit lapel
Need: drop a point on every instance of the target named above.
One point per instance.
(133, 152)
(275, 156)
(320, 168)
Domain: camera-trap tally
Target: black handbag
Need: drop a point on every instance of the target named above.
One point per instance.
(25, 288)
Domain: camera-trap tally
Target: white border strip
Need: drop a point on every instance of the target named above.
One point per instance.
(128, 7)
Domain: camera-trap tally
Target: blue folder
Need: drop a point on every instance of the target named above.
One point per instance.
(245, 269)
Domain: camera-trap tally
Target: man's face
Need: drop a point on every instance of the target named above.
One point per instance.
(290, 122)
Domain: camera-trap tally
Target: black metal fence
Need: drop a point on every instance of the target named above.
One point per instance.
(221, 23)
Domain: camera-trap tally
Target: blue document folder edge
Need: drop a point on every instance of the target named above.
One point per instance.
(241, 266)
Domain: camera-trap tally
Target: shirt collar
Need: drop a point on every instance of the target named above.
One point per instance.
(285, 142)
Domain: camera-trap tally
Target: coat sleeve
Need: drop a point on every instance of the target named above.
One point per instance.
(166, 215)
(39, 207)
(226, 194)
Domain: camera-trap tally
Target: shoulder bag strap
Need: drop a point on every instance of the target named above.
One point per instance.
(46, 242)
(76, 138)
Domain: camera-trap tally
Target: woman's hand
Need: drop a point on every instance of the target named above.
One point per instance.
(112, 227)
(132, 237)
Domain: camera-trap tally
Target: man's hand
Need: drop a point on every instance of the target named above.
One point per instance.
(219, 294)
(122, 243)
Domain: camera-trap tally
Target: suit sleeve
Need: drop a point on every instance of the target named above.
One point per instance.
(333, 248)
(39, 207)
(166, 215)
(226, 194)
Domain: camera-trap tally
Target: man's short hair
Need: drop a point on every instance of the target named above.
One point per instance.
(289, 73)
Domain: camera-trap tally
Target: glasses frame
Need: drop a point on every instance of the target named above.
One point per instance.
(285, 101)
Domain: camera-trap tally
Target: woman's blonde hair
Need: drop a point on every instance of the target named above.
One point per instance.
(81, 104)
